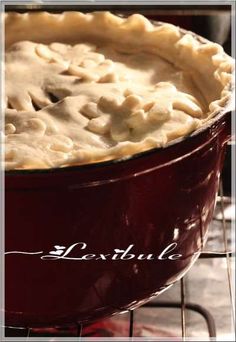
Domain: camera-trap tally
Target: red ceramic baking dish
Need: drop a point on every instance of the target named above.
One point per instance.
(85, 242)
(159, 202)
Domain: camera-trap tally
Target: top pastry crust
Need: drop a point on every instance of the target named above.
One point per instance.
(82, 88)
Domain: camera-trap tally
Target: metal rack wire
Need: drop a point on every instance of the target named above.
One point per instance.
(182, 305)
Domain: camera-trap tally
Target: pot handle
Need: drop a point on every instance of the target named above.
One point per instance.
(227, 136)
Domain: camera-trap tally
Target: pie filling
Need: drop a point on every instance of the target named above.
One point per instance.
(111, 88)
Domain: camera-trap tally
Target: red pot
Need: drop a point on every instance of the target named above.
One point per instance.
(159, 198)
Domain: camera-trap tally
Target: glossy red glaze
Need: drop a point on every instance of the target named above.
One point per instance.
(152, 200)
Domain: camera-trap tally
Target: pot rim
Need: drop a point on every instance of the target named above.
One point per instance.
(206, 126)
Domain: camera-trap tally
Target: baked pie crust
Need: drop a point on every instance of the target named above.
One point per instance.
(82, 88)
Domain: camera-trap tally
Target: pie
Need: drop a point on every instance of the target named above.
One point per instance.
(84, 88)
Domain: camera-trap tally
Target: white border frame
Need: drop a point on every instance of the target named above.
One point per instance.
(3, 3)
